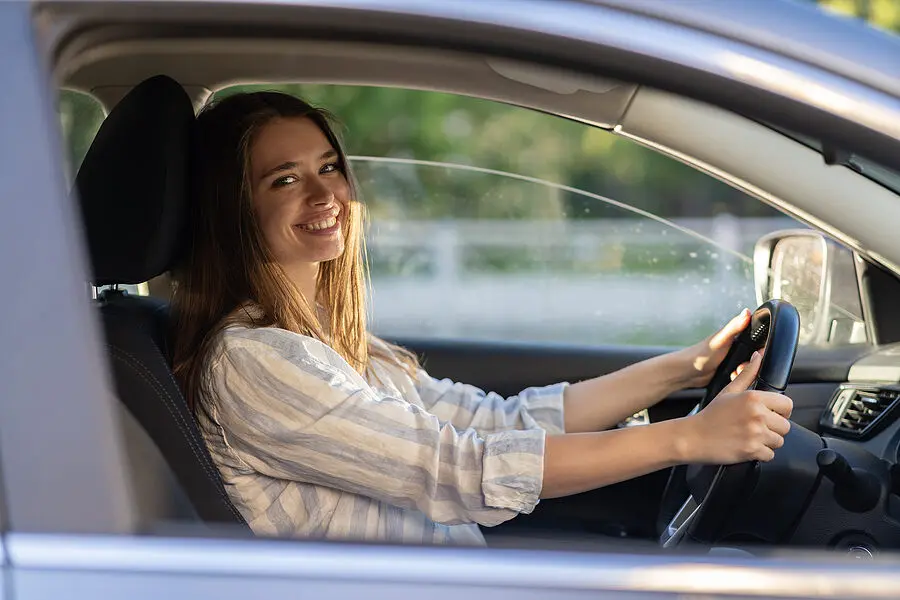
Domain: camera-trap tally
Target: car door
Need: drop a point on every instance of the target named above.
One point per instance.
(72, 528)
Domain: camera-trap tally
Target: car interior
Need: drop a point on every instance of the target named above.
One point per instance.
(152, 87)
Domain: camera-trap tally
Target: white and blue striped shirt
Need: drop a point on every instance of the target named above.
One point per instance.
(307, 447)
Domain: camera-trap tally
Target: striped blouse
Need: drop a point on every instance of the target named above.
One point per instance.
(308, 447)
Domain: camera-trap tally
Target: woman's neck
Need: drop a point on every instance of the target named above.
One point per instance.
(304, 276)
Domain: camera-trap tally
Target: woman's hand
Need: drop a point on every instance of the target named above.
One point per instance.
(703, 358)
(739, 424)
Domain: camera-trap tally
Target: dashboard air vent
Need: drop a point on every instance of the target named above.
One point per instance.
(857, 411)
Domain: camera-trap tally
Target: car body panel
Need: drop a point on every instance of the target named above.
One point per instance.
(62, 465)
(59, 446)
(84, 566)
(568, 25)
(802, 30)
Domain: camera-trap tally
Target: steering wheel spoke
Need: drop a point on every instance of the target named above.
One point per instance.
(678, 526)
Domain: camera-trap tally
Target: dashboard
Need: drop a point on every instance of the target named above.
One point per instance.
(836, 481)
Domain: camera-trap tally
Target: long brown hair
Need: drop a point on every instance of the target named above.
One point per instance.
(229, 266)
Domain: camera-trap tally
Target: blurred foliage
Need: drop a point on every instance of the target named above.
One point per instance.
(80, 116)
(884, 14)
(446, 128)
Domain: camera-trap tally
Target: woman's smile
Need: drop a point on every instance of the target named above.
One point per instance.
(321, 224)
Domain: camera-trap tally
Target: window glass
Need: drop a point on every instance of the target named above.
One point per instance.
(494, 222)
(80, 115)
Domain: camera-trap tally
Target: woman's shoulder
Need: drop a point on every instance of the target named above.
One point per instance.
(248, 353)
(272, 340)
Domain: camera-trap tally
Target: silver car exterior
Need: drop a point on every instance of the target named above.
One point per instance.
(69, 526)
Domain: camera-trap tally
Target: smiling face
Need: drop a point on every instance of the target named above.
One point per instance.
(301, 196)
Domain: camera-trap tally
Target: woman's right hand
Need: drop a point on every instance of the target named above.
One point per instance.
(739, 425)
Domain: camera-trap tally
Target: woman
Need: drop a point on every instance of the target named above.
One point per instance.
(320, 429)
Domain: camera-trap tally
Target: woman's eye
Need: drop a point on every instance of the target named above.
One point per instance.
(330, 168)
(283, 181)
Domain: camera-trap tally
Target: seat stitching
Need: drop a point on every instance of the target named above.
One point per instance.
(167, 401)
(190, 438)
(157, 386)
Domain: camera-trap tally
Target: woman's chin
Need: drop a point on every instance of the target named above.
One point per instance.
(326, 252)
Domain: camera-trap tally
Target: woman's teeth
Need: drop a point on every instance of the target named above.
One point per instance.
(327, 223)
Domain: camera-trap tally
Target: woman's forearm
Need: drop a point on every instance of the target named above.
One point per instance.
(599, 403)
(575, 463)
(739, 425)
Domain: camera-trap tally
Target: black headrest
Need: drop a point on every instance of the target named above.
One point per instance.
(133, 184)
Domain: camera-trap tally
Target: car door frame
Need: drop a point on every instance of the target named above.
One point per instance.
(71, 522)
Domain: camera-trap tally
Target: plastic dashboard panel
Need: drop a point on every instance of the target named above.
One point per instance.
(881, 401)
(876, 370)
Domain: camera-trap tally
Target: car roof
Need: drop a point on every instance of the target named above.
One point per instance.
(798, 29)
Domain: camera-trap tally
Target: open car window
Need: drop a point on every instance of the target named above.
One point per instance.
(498, 223)
(80, 115)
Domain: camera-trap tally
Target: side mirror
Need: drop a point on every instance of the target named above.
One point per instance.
(816, 275)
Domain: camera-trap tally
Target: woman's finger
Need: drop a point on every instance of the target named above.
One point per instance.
(777, 424)
(779, 403)
(736, 325)
(765, 454)
(773, 440)
(737, 371)
(746, 376)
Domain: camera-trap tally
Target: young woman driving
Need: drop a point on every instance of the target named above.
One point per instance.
(320, 429)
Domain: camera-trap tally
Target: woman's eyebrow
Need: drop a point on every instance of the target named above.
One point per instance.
(287, 166)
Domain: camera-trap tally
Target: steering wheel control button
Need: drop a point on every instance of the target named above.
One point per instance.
(855, 490)
(759, 332)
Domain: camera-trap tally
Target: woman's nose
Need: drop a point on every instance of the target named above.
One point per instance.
(321, 195)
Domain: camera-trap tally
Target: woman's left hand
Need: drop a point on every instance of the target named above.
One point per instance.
(703, 358)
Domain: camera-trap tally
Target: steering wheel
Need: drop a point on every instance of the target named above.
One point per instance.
(699, 498)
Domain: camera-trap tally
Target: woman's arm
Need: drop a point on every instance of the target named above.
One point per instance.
(466, 406)
(737, 426)
(291, 408)
(598, 404)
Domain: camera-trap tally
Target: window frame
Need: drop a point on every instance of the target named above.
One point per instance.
(56, 382)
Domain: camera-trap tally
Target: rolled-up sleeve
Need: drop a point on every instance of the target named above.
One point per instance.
(290, 407)
(468, 406)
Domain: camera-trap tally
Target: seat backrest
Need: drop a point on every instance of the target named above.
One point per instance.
(132, 187)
